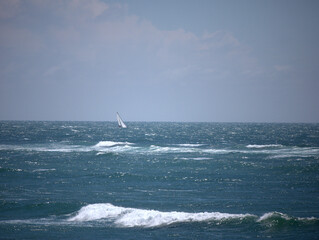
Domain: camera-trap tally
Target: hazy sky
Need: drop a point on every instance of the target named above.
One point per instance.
(234, 61)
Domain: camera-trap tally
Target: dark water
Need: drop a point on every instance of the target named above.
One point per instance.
(92, 180)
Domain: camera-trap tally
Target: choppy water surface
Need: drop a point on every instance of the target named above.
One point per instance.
(92, 180)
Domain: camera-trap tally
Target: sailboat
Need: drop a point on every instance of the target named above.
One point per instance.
(120, 121)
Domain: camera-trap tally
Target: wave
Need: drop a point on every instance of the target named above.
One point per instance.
(196, 158)
(295, 152)
(190, 145)
(279, 215)
(264, 146)
(134, 217)
(106, 214)
(111, 144)
(160, 149)
(66, 148)
(104, 147)
(278, 219)
(46, 148)
(4, 169)
(44, 170)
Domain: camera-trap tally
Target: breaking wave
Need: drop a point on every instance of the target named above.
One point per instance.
(271, 216)
(190, 145)
(44, 170)
(160, 149)
(278, 219)
(102, 147)
(187, 149)
(134, 217)
(114, 147)
(264, 146)
(111, 144)
(58, 147)
(106, 214)
(62, 147)
(295, 152)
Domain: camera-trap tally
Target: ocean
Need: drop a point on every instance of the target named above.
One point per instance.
(158, 180)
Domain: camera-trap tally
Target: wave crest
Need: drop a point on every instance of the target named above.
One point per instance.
(264, 146)
(104, 147)
(278, 219)
(111, 143)
(102, 214)
(133, 217)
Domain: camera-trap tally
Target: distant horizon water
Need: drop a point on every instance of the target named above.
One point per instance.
(161, 121)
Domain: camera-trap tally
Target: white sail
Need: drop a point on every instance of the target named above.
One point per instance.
(120, 121)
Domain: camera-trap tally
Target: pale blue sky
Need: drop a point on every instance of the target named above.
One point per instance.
(233, 61)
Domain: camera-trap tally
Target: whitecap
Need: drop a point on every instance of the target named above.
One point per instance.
(296, 152)
(117, 149)
(196, 158)
(159, 149)
(110, 143)
(150, 134)
(106, 213)
(264, 146)
(190, 145)
(134, 217)
(217, 151)
(46, 148)
(274, 216)
(98, 211)
(44, 170)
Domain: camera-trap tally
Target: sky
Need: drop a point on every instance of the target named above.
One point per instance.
(176, 60)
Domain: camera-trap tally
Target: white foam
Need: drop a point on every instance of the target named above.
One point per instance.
(60, 147)
(217, 151)
(270, 215)
(106, 213)
(150, 134)
(133, 217)
(296, 152)
(190, 145)
(196, 158)
(44, 170)
(159, 149)
(46, 148)
(110, 143)
(276, 215)
(97, 211)
(102, 147)
(118, 149)
(264, 146)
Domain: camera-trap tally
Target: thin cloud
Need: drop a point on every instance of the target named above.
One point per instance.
(9, 8)
(71, 34)
(97, 48)
(283, 68)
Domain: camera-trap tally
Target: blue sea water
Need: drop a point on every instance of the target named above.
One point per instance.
(92, 180)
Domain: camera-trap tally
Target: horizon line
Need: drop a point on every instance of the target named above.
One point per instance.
(160, 121)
